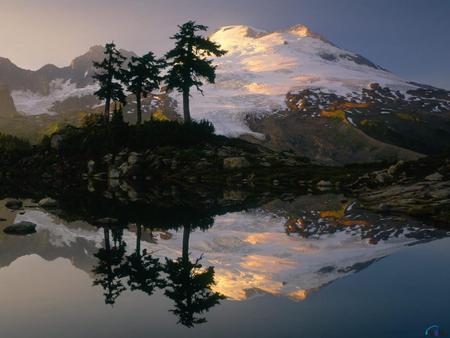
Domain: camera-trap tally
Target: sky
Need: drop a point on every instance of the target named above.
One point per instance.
(408, 37)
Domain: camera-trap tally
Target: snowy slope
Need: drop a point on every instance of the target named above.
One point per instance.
(255, 75)
(260, 68)
(31, 103)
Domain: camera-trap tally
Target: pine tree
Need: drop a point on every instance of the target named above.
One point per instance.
(142, 77)
(190, 62)
(108, 76)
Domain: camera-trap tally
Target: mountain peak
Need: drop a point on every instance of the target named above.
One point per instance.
(304, 31)
(5, 61)
(239, 31)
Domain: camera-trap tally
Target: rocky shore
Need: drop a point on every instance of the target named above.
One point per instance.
(419, 189)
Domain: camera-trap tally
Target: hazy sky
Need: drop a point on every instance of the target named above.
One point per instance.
(408, 37)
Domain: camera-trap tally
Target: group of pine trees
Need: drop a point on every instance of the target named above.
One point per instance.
(187, 65)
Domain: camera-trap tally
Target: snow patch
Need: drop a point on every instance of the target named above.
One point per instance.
(30, 103)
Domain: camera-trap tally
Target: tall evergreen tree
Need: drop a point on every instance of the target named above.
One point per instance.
(190, 62)
(108, 76)
(142, 77)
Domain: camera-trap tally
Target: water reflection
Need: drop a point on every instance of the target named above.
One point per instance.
(184, 280)
(189, 285)
(111, 268)
(199, 250)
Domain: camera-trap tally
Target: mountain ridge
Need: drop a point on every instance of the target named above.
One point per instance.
(292, 73)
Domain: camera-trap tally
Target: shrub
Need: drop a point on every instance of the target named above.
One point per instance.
(10, 143)
(13, 148)
(97, 138)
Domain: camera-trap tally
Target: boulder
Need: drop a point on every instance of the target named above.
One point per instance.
(48, 203)
(91, 167)
(108, 158)
(235, 163)
(396, 169)
(20, 229)
(123, 169)
(382, 177)
(434, 177)
(134, 158)
(55, 141)
(113, 173)
(14, 204)
(324, 184)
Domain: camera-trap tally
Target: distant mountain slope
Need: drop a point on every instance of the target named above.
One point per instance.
(267, 85)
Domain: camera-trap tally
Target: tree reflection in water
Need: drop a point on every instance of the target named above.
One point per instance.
(189, 286)
(109, 270)
(183, 280)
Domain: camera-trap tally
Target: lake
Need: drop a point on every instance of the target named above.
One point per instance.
(231, 265)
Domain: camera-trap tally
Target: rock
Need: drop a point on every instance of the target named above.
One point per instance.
(324, 184)
(434, 177)
(113, 173)
(290, 162)
(3, 220)
(235, 163)
(134, 158)
(14, 204)
(91, 167)
(234, 195)
(374, 86)
(55, 141)
(166, 162)
(385, 207)
(382, 177)
(48, 203)
(22, 228)
(108, 158)
(396, 169)
(123, 169)
(265, 164)
(440, 194)
(100, 176)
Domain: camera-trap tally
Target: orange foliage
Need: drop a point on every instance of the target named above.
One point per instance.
(350, 105)
(339, 114)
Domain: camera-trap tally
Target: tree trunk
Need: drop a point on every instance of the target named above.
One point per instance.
(107, 109)
(138, 239)
(107, 243)
(186, 233)
(186, 111)
(138, 109)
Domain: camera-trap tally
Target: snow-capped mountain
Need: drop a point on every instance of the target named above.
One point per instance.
(260, 68)
(289, 89)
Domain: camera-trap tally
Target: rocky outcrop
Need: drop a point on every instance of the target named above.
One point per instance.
(374, 124)
(246, 163)
(7, 107)
(235, 163)
(420, 189)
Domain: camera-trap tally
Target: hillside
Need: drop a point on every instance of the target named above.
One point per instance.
(289, 90)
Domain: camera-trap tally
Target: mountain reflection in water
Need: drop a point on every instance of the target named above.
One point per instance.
(200, 251)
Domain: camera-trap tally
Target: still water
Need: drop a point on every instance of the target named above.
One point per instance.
(301, 266)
